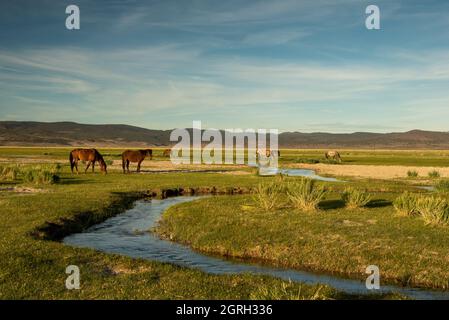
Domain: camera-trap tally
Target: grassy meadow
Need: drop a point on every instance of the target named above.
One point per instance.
(332, 239)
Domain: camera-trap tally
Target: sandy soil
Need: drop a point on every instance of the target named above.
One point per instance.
(372, 171)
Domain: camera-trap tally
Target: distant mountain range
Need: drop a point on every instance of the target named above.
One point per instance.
(27, 133)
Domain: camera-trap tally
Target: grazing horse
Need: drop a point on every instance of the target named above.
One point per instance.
(333, 155)
(167, 153)
(269, 153)
(267, 158)
(135, 156)
(89, 155)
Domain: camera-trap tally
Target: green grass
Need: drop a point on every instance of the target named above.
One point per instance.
(305, 194)
(34, 269)
(434, 174)
(370, 157)
(355, 198)
(405, 204)
(338, 240)
(267, 195)
(412, 174)
(442, 186)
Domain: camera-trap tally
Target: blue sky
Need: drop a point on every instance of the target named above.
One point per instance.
(291, 65)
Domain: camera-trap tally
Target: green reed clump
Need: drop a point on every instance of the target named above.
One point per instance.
(405, 204)
(412, 174)
(433, 209)
(434, 174)
(442, 186)
(355, 198)
(266, 195)
(41, 174)
(9, 173)
(305, 194)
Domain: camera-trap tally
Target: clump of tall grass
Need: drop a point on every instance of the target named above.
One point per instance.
(266, 195)
(434, 174)
(355, 198)
(41, 174)
(9, 173)
(434, 210)
(412, 174)
(442, 186)
(405, 204)
(305, 194)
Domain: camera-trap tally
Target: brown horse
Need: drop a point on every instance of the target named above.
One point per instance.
(167, 153)
(135, 156)
(89, 155)
(333, 155)
(269, 153)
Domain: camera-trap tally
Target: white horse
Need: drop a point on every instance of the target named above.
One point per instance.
(333, 154)
(268, 156)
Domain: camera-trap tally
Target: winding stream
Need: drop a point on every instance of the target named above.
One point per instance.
(127, 234)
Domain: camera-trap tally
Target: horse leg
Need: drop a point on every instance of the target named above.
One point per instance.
(138, 165)
(88, 165)
(123, 165)
(76, 167)
(93, 166)
(127, 165)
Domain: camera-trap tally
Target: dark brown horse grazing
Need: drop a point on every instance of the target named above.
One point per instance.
(89, 155)
(135, 156)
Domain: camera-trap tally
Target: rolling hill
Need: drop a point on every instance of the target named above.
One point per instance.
(28, 133)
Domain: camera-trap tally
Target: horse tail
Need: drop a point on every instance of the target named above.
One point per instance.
(123, 162)
(72, 162)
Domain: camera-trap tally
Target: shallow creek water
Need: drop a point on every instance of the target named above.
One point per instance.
(127, 234)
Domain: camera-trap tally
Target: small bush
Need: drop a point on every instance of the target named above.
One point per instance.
(405, 204)
(9, 173)
(109, 162)
(434, 174)
(355, 198)
(434, 210)
(308, 161)
(266, 195)
(305, 194)
(442, 186)
(42, 174)
(412, 174)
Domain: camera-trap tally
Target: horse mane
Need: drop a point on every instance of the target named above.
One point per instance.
(99, 156)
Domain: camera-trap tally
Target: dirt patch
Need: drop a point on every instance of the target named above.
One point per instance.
(372, 171)
(22, 190)
(121, 269)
